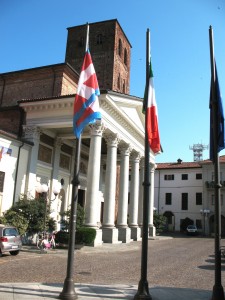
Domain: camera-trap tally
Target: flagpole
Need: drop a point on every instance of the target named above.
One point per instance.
(143, 290)
(68, 292)
(218, 293)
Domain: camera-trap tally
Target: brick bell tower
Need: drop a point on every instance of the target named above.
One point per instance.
(110, 51)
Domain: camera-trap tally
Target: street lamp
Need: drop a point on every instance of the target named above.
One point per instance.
(42, 189)
(56, 188)
(205, 213)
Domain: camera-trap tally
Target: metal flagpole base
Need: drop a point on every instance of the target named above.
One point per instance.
(218, 293)
(68, 292)
(143, 292)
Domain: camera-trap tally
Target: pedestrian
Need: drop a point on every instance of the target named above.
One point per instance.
(52, 240)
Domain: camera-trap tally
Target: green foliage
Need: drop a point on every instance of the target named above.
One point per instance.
(62, 237)
(85, 235)
(159, 222)
(51, 224)
(79, 220)
(13, 218)
(33, 212)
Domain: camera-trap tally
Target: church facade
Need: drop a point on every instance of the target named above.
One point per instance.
(38, 144)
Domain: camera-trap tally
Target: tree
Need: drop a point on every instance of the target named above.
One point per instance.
(159, 222)
(79, 220)
(34, 211)
(13, 218)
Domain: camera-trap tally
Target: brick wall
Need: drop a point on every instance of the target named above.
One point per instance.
(10, 121)
(103, 45)
(41, 82)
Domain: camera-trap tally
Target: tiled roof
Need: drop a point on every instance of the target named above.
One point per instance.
(187, 165)
(178, 165)
(207, 161)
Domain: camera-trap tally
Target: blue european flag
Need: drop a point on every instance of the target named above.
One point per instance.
(216, 104)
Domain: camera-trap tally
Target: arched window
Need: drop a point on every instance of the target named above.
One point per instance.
(99, 39)
(125, 56)
(120, 48)
(118, 82)
(81, 41)
(124, 87)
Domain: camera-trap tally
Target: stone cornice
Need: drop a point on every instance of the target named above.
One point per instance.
(53, 104)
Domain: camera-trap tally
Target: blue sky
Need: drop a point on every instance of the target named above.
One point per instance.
(33, 34)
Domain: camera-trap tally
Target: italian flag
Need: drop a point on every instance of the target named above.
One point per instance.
(152, 116)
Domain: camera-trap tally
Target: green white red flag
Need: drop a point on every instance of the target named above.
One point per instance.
(152, 116)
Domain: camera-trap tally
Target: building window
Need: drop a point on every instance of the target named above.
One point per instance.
(2, 178)
(184, 176)
(184, 201)
(168, 199)
(198, 176)
(124, 87)
(64, 161)
(81, 41)
(120, 48)
(45, 154)
(118, 82)
(199, 224)
(169, 177)
(125, 56)
(99, 39)
(198, 198)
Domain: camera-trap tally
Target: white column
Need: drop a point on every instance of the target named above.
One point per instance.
(55, 173)
(92, 204)
(110, 233)
(141, 192)
(32, 134)
(134, 189)
(124, 231)
(152, 231)
(110, 181)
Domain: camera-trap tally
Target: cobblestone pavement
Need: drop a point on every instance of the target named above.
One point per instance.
(181, 262)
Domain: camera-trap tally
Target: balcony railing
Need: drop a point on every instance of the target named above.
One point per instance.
(211, 184)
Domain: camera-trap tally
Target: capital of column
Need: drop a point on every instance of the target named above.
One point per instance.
(135, 156)
(97, 128)
(125, 149)
(58, 142)
(112, 139)
(31, 132)
(152, 167)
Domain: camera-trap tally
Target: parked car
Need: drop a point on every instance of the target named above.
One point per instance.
(10, 240)
(192, 229)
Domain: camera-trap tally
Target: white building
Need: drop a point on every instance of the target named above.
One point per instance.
(208, 178)
(186, 190)
(178, 192)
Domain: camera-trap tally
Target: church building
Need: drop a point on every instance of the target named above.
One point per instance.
(37, 144)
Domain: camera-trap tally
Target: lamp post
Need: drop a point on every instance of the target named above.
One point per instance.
(42, 189)
(205, 213)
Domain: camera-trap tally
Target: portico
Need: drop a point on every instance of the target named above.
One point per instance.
(110, 148)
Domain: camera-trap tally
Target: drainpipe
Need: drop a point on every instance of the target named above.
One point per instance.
(159, 192)
(17, 167)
